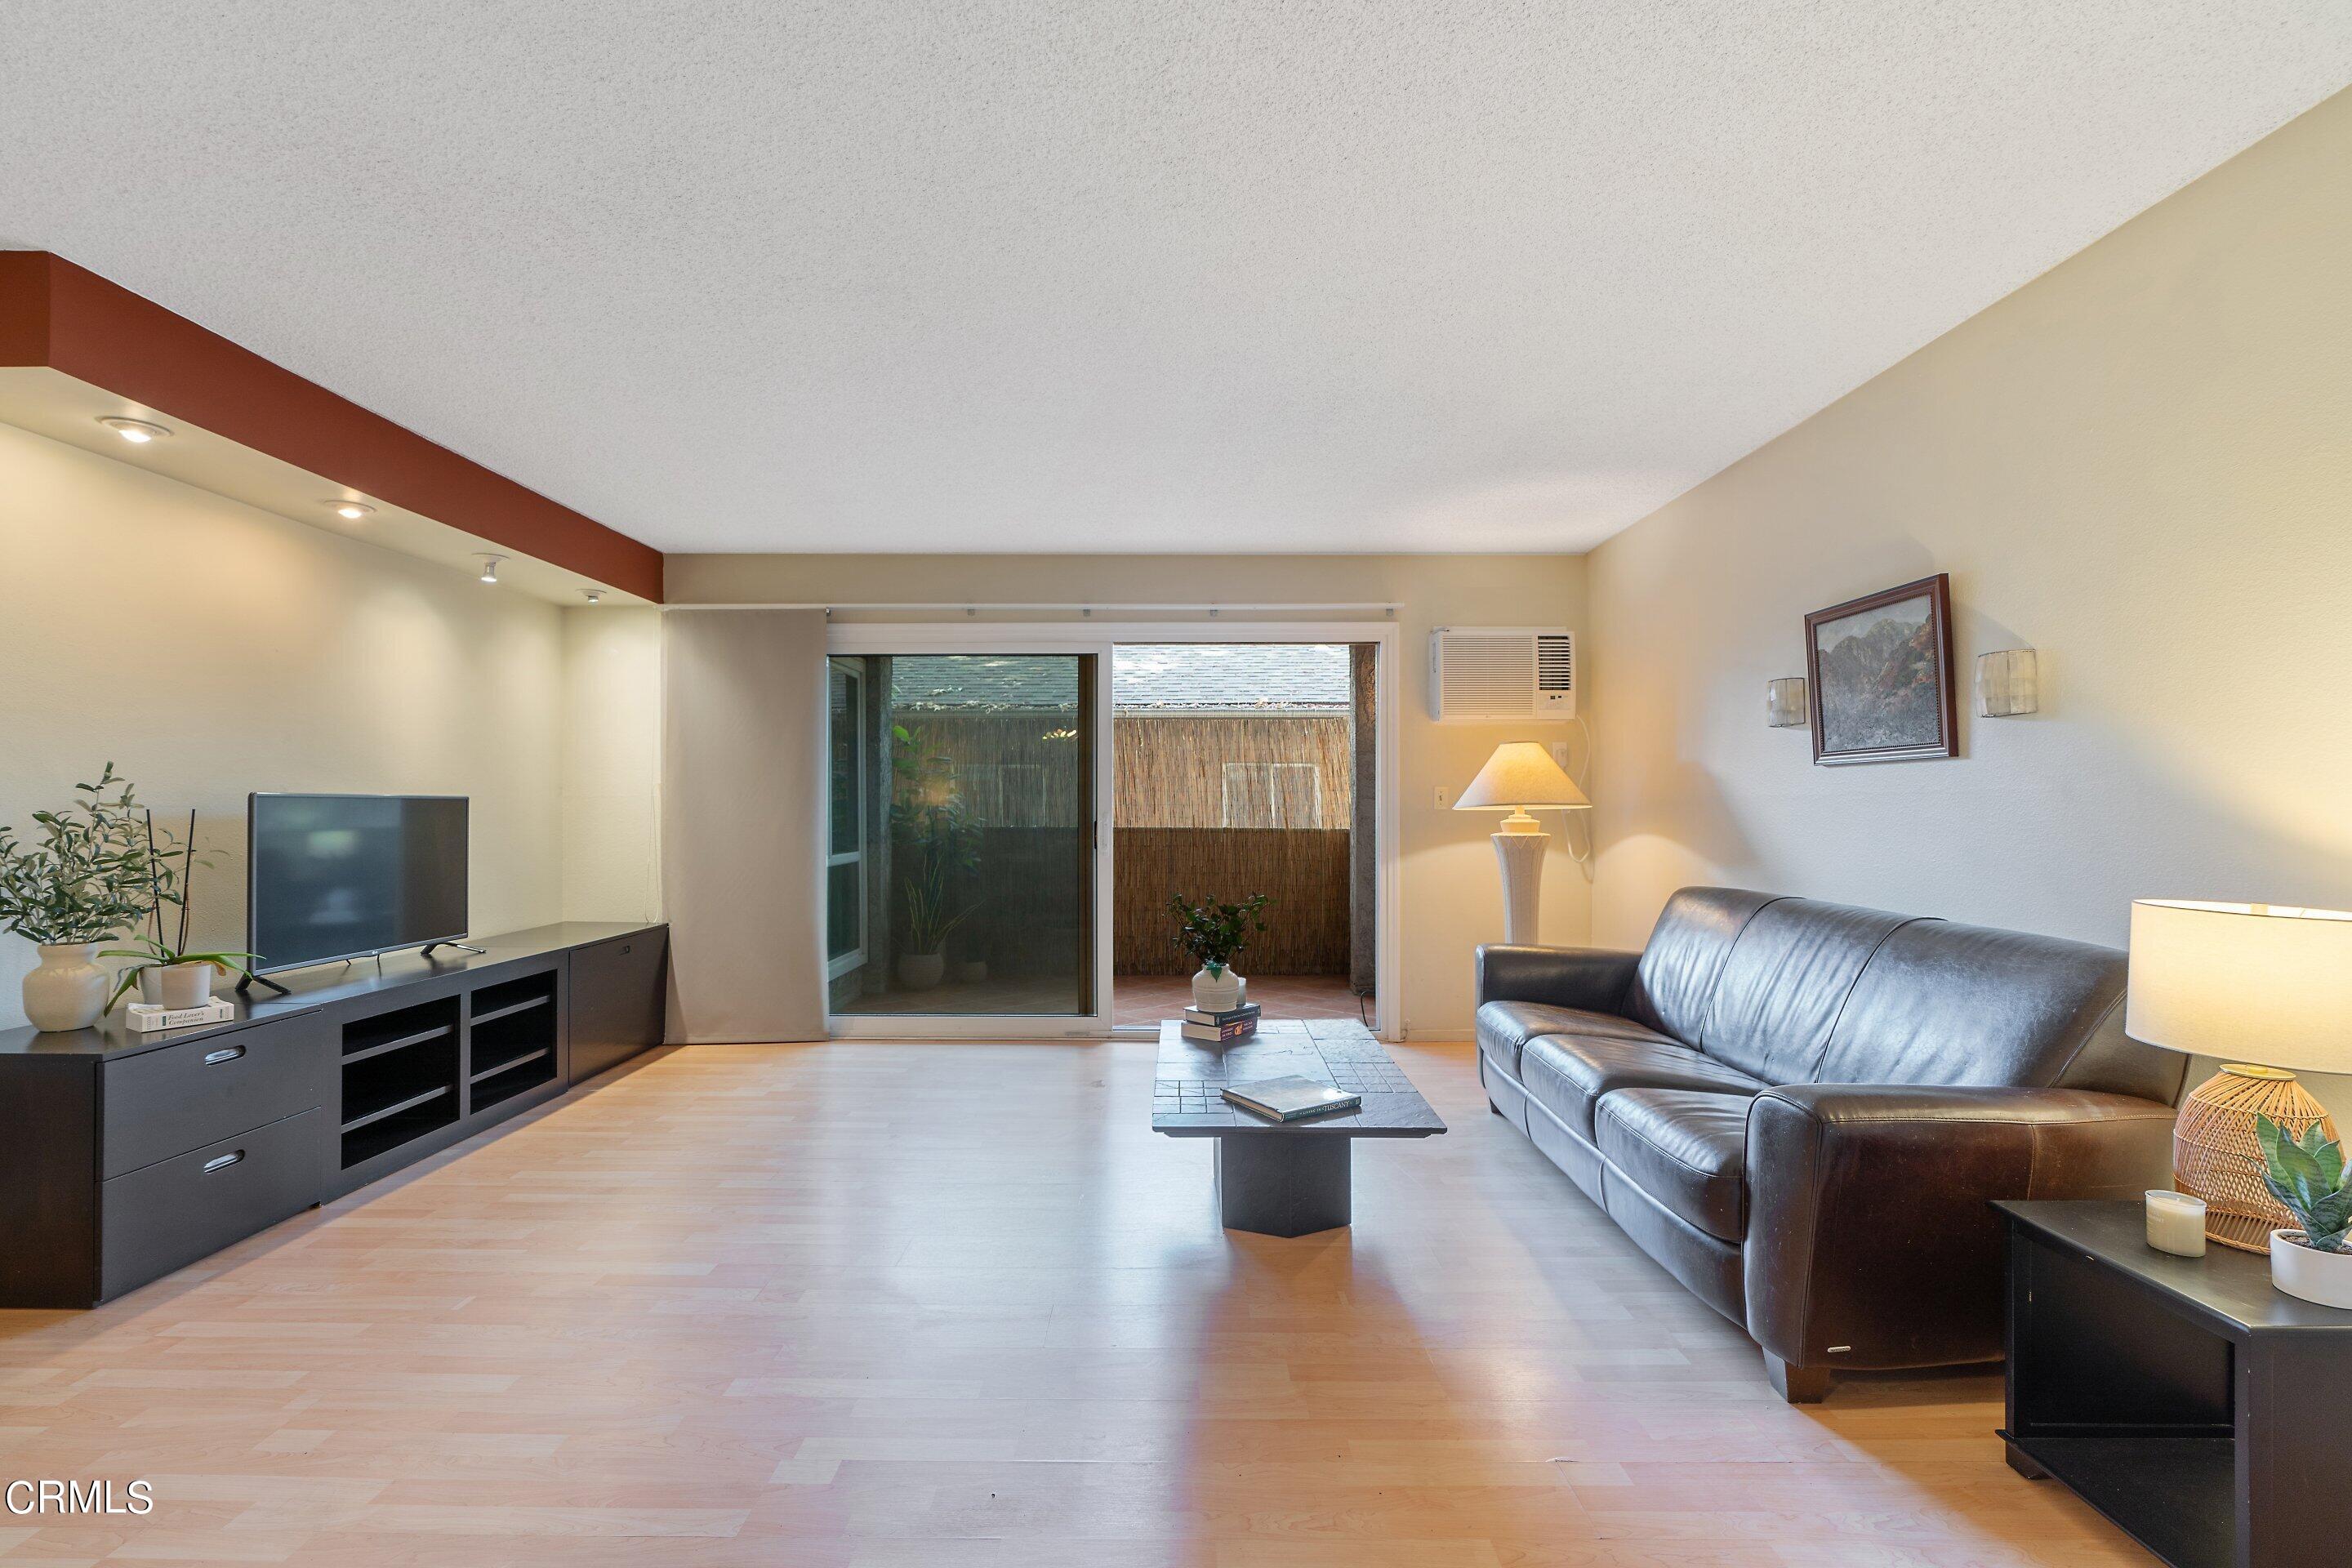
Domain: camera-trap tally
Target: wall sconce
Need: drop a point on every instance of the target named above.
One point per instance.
(1784, 702)
(2008, 683)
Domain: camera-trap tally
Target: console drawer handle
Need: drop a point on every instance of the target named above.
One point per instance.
(222, 1162)
(228, 1054)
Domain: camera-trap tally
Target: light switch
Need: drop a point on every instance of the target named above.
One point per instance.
(1445, 798)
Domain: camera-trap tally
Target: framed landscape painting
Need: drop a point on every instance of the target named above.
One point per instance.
(1881, 668)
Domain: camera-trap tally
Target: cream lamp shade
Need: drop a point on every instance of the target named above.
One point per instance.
(1521, 776)
(2268, 988)
(2254, 983)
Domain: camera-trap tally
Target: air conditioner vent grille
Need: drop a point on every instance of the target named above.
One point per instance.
(1491, 674)
(1555, 663)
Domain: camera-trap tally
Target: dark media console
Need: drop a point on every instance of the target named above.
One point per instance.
(131, 1156)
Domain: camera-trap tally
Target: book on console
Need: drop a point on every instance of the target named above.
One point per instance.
(1289, 1098)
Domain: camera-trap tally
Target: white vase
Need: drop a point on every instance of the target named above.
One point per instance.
(1219, 993)
(177, 985)
(2308, 1273)
(67, 990)
(921, 970)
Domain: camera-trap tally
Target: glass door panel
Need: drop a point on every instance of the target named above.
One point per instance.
(962, 882)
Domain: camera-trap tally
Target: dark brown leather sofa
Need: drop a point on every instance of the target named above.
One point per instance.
(1804, 1111)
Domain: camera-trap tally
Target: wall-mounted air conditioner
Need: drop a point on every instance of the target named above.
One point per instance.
(1500, 674)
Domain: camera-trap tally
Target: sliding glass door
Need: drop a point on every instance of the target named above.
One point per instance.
(961, 862)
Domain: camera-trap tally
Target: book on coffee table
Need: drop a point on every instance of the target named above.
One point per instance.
(1289, 1098)
(1212, 1028)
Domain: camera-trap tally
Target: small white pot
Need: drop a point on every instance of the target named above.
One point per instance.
(2308, 1273)
(177, 985)
(65, 990)
(972, 971)
(1219, 993)
(921, 970)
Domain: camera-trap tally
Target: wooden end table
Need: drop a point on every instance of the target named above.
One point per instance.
(2197, 1407)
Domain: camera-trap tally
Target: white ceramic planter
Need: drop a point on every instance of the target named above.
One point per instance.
(921, 970)
(1219, 993)
(180, 984)
(66, 990)
(972, 971)
(2308, 1273)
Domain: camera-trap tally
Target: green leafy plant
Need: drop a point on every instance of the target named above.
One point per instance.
(169, 886)
(87, 872)
(1213, 933)
(2307, 1174)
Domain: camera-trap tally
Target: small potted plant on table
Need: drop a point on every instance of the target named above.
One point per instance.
(167, 972)
(2305, 1173)
(1214, 935)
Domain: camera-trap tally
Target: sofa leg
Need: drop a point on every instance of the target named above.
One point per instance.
(1797, 1384)
(1493, 1109)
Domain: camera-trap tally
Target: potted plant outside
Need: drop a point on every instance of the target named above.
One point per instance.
(86, 875)
(167, 972)
(1214, 935)
(2306, 1174)
(938, 844)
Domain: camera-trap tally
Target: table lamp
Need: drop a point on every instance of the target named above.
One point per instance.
(2268, 989)
(1521, 777)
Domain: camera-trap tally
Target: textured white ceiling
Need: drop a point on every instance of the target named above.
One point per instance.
(854, 275)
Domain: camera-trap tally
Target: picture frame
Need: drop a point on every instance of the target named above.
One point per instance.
(1880, 674)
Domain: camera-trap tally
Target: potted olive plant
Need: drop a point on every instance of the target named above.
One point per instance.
(1214, 935)
(2306, 1174)
(84, 874)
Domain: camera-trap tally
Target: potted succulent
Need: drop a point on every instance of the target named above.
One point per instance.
(85, 874)
(2305, 1173)
(1214, 933)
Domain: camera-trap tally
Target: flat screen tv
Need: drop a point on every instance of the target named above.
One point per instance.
(351, 876)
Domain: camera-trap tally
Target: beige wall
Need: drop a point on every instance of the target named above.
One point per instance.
(1450, 898)
(612, 763)
(2141, 465)
(209, 650)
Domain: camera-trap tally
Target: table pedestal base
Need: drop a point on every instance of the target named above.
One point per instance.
(1275, 1185)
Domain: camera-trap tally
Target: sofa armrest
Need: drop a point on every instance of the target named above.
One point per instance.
(1872, 1241)
(1597, 979)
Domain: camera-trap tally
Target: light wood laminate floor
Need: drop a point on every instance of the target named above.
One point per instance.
(934, 1306)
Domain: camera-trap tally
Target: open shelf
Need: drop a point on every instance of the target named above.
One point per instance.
(513, 1039)
(511, 1063)
(399, 1078)
(394, 1109)
(512, 1009)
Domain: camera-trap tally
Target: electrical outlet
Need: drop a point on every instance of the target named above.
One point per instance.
(1560, 754)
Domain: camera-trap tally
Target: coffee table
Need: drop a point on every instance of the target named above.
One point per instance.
(1285, 1178)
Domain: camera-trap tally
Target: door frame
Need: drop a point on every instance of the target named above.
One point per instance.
(1101, 639)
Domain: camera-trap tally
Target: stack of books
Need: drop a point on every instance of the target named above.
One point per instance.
(1220, 1028)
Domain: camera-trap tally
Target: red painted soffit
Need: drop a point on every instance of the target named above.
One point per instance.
(57, 314)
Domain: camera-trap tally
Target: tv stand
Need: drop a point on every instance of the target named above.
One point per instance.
(129, 1155)
(427, 951)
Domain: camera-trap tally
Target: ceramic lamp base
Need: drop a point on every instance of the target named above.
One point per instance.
(1521, 857)
(2215, 1157)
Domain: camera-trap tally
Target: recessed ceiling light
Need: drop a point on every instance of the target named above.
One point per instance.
(138, 432)
(491, 567)
(353, 510)
(595, 596)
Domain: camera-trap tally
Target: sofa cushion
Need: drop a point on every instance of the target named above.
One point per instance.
(1676, 979)
(1684, 1148)
(1784, 983)
(1505, 1028)
(1566, 1073)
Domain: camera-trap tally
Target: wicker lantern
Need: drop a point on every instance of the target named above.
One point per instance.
(2262, 981)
